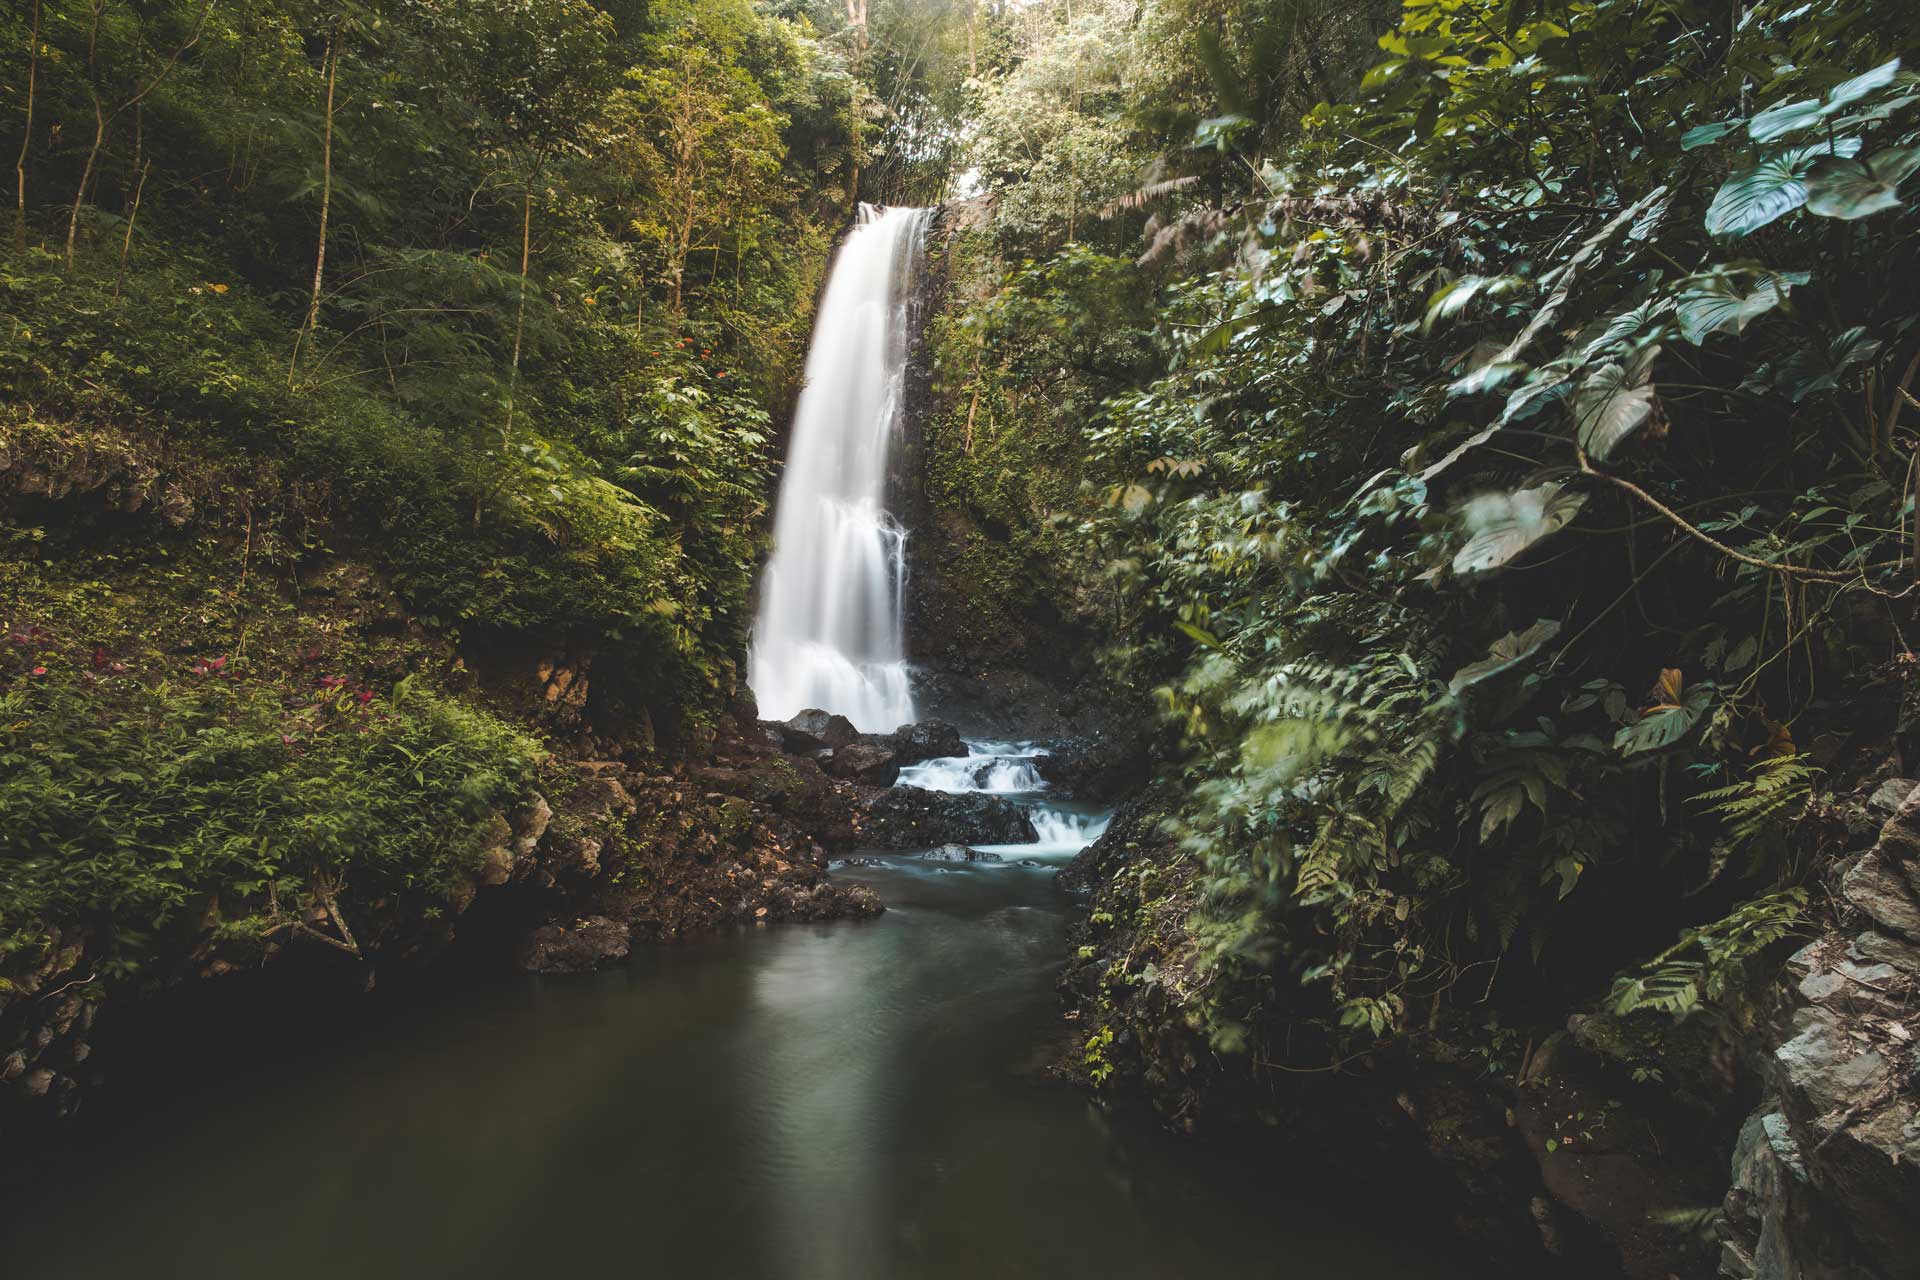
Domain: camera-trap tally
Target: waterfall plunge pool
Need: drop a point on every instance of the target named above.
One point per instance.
(813, 1102)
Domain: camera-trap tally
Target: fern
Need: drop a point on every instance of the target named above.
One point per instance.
(1700, 968)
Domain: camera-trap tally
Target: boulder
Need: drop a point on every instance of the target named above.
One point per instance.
(958, 853)
(927, 740)
(579, 947)
(814, 729)
(909, 818)
(1094, 766)
(864, 762)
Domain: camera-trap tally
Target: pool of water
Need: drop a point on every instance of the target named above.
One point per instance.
(832, 1101)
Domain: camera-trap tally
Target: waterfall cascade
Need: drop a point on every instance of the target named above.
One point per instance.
(829, 630)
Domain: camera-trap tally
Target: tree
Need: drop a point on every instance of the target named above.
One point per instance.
(538, 71)
(694, 128)
(119, 50)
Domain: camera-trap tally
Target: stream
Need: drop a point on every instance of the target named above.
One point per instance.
(816, 1101)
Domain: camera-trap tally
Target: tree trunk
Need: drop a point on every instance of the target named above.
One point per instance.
(520, 316)
(312, 319)
(86, 176)
(126, 245)
(26, 134)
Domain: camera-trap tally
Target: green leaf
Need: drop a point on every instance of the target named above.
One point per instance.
(1773, 188)
(1711, 303)
(1509, 650)
(1505, 524)
(1665, 725)
(1851, 91)
(1453, 299)
(1783, 118)
(1750, 200)
(1609, 407)
(1851, 189)
(1705, 135)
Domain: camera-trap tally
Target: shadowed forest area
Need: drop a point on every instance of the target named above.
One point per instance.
(1441, 476)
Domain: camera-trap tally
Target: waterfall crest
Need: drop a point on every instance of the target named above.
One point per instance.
(829, 631)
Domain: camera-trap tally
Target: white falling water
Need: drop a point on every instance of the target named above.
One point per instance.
(829, 630)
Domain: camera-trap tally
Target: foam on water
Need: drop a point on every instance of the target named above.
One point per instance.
(1007, 769)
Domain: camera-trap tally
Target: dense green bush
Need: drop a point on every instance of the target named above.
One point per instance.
(154, 807)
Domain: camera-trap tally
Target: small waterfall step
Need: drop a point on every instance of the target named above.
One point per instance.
(1007, 769)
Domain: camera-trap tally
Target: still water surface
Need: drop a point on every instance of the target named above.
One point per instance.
(818, 1102)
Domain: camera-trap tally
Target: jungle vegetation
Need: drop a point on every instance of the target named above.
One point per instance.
(1484, 430)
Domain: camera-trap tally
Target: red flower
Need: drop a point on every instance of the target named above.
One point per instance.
(39, 671)
(99, 657)
(365, 696)
(332, 682)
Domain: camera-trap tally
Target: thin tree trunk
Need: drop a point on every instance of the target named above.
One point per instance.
(102, 117)
(312, 319)
(26, 135)
(520, 317)
(86, 176)
(126, 245)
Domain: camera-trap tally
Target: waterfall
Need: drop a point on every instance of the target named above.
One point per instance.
(829, 630)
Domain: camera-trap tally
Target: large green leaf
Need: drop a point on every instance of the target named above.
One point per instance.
(1851, 91)
(1502, 525)
(1773, 188)
(1850, 189)
(1664, 725)
(1610, 406)
(1453, 299)
(1509, 650)
(1784, 118)
(1712, 302)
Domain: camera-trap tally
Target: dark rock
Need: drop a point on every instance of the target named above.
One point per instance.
(1827, 1170)
(1877, 886)
(864, 762)
(909, 818)
(1891, 794)
(822, 729)
(1095, 766)
(958, 853)
(581, 947)
(927, 740)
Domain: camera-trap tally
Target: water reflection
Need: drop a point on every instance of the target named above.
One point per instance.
(819, 1102)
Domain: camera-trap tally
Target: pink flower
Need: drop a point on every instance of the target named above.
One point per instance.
(39, 671)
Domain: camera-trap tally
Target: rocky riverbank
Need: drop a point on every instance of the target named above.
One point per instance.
(1775, 1138)
(610, 854)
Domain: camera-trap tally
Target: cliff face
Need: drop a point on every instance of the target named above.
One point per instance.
(1004, 619)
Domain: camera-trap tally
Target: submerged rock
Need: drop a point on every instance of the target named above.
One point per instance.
(958, 853)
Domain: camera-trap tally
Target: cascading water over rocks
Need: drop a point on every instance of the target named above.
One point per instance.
(829, 629)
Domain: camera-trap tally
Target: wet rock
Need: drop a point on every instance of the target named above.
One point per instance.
(863, 762)
(958, 853)
(579, 947)
(813, 729)
(909, 818)
(1094, 766)
(927, 740)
